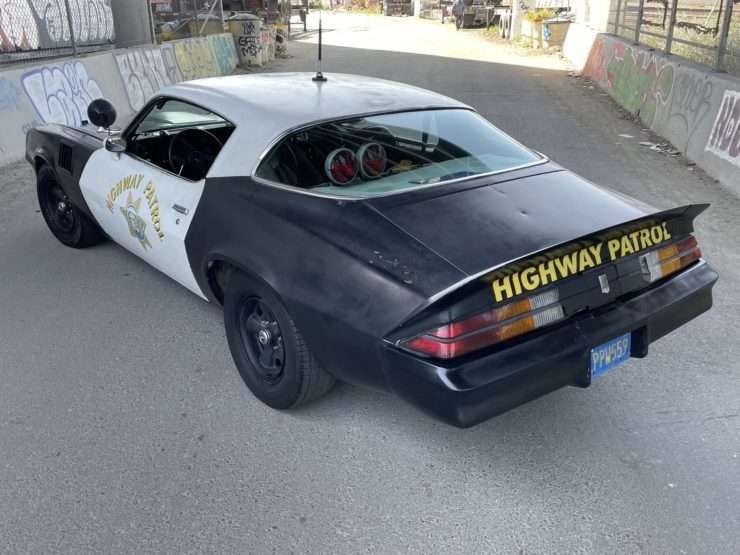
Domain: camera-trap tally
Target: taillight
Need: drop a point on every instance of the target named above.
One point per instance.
(662, 262)
(488, 328)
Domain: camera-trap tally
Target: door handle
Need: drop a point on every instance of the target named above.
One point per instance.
(181, 209)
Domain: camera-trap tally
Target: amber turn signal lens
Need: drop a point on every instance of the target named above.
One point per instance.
(490, 327)
(668, 260)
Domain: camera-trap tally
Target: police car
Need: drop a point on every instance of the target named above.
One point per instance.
(377, 233)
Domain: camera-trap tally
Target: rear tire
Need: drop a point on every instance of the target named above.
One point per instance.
(270, 353)
(66, 222)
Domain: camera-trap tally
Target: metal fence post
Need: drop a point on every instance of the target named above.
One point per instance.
(208, 18)
(671, 25)
(152, 31)
(71, 28)
(638, 24)
(616, 17)
(723, 37)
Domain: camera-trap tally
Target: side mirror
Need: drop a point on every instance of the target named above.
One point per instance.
(101, 113)
(115, 144)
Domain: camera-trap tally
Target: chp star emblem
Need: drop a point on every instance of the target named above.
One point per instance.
(136, 226)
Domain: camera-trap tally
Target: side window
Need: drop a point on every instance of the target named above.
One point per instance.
(179, 137)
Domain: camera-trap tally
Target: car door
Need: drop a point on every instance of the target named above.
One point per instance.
(139, 199)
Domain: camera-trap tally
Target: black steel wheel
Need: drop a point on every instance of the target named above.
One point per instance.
(68, 224)
(270, 353)
(262, 339)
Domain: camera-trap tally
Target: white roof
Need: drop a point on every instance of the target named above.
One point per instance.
(263, 106)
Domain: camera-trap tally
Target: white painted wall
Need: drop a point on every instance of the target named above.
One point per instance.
(593, 13)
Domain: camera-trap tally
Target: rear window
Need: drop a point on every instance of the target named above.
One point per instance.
(387, 153)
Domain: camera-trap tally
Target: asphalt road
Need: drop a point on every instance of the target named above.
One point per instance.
(124, 426)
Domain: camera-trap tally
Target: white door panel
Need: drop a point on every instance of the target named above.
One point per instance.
(137, 205)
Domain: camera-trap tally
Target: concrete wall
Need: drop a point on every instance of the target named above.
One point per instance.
(133, 23)
(594, 13)
(59, 91)
(697, 110)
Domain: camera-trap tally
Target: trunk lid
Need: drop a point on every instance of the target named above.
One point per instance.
(528, 235)
(484, 227)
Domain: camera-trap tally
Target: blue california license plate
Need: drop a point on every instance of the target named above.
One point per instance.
(610, 354)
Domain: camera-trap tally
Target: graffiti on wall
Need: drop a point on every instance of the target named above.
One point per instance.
(639, 81)
(724, 140)
(196, 59)
(682, 98)
(639, 84)
(594, 68)
(18, 29)
(92, 21)
(225, 52)
(10, 95)
(30, 125)
(33, 24)
(61, 94)
(249, 45)
(690, 102)
(146, 70)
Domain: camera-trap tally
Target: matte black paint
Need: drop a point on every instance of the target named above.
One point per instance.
(345, 273)
(353, 272)
(42, 144)
(479, 228)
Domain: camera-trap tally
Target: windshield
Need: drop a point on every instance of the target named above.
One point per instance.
(387, 153)
(174, 114)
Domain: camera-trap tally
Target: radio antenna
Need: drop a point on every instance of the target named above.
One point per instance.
(319, 76)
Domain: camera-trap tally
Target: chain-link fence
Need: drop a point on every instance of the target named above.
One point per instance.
(31, 29)
(703, 31)
(179, 19)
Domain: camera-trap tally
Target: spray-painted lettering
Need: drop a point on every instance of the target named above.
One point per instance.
(225, 52)
(639, 84)
(195, 58)
(690, 101)
(30, 125)
(144, 71)
(724, 141)
(61, 94)
(18, 29)
(33, 24)
(250, 46)
(594, 68)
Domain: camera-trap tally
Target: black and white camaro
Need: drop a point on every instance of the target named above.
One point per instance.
(376, 233)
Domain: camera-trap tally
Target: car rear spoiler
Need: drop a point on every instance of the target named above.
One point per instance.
(603, 246)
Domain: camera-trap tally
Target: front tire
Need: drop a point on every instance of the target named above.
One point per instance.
(270, 353)
(66, 222)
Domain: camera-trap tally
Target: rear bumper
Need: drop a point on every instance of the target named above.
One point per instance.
(476, 390)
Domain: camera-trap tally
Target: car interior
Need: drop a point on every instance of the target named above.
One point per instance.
(392, 152)
(301, 160)
(179, 137)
